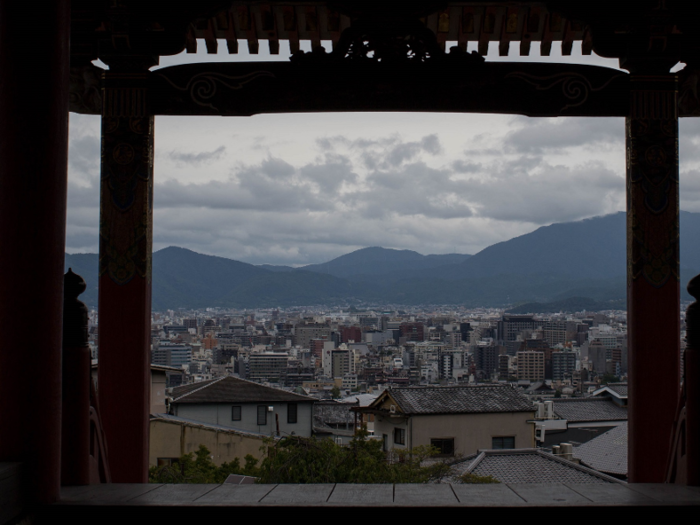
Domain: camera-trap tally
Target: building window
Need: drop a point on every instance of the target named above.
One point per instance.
(291, 412)
(235, 413)
(506, 442)
(399, 436)
(262, 415)
(445, 446)
(168, 462)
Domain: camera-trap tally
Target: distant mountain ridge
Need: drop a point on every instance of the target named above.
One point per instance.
(583, 260)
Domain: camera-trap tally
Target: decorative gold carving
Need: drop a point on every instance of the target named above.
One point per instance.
(652, 184)
(127, 198)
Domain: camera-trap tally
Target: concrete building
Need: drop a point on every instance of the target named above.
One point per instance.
(303, 334)
(563, 365)
(510, 326)
(171, 354)
(267, 366)
(530, 366)
(486, 358)
(412, 332)
(342, 362)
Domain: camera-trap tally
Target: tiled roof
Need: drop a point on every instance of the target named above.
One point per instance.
(461, 399)
(528, 466)
(234, 390)
(589, 409)
(606, 453)
(334, 413)
(620, 388)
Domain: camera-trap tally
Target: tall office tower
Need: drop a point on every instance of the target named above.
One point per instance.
(510, 326)
(563, 365)
(531, 366)
(486, 359)
(412, 331)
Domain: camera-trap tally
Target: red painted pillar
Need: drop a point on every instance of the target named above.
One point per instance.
(653, 285)
(124, 330)
(34, 65)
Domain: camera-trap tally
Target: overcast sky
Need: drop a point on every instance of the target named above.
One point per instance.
(305, 188)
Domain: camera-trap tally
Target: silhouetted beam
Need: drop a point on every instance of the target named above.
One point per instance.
(457, 84)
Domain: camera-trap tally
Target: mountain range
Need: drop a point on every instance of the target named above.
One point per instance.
(583, 260)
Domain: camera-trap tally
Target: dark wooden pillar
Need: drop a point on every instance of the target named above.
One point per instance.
(75, 421)
(653, 286)
(34, 66)
(126, 212)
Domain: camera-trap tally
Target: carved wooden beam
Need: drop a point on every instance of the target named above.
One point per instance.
(457, 83)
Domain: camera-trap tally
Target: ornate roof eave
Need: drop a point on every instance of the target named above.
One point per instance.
(160, 28)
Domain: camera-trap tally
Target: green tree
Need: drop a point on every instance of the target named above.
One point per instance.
(198, 467)
(296, 459)
(609, 378)
(335, 392)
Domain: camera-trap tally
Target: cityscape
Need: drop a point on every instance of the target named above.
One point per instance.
(326, 373)
(352, 255)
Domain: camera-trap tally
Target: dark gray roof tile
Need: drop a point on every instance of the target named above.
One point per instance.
(528, 466)
(589, 409)
(461, 399)
(607, 452)
(234, 390)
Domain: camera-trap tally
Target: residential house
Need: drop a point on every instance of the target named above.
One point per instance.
(578, 420)
(458, 420)
(243, 405)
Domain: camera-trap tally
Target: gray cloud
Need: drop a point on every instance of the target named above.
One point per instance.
(197, 159)
(540, 135)
(358, 192)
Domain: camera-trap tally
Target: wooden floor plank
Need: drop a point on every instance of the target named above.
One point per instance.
(486, 495)
(666, 493)
(359, 495)
(424, 495)
(235, 495)
(177, 494)
(610, 493)
(298, 494)
(108, 493)
(549, 494)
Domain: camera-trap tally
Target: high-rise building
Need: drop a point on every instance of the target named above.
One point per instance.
(171, 354)
(563, 365)
(531, 366)
(510, 326)
(350, 333)
(504, 367)
(597, 355)
(267, 366)
(412, 332)
(303, 334)
(486, 359)
(342, 362)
